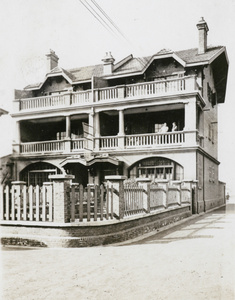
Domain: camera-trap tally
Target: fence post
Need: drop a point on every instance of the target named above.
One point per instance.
(61, 197)
(17, 186)
(145, 183)
(117, 182)
(193, 186)
(178, 183)
(165, 184)
(48, 189)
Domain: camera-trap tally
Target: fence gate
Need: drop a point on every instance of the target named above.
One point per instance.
(91, 203)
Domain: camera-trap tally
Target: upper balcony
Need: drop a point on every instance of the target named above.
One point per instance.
(114, 94)
(135, 142)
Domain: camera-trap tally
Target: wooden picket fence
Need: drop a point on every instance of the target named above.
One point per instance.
(91, 203)
(26, 203)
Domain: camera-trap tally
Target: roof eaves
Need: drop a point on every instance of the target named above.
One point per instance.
(59, 74)
(223, 49)
(3, 111)
(194, 64)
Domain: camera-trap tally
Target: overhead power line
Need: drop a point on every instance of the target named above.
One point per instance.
(97, 16)
(109, 19)
(103, 18)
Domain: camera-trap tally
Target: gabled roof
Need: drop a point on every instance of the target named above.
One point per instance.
(134, 66)
(191, 56)
(57, 71)
(3, 112)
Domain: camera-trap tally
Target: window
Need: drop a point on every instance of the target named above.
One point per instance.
(157, 127)
(36, 174)
(40, 176)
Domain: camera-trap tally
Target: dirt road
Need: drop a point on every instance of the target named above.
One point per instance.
(195, 260)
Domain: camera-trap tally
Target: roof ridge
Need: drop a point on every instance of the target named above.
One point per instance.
(82, 67)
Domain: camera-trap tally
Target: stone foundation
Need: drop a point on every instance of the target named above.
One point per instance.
(87, 234)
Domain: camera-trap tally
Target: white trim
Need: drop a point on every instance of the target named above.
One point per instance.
(154, 57)
(59, 73)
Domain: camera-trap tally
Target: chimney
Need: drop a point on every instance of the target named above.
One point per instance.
(203, 29)
(52, 60)
(108, 63)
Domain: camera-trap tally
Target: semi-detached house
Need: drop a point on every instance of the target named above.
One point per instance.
(148, 117)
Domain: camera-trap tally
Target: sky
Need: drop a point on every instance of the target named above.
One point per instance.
(30, 28)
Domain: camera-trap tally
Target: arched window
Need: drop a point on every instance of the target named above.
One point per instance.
(37, 173)
(156, 168)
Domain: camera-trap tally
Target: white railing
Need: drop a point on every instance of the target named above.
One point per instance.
(43, 102)
(81, 97)
(77, 144)
(108, 142)
(160, 87)
(154, 139)
(145, 89)
(42, 147)
(107, 93)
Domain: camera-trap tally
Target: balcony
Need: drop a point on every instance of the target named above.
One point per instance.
(108, 143)
(133, 91)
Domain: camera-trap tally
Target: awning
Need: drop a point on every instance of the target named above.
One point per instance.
(92, 161)
(103, 159)
(75, 160)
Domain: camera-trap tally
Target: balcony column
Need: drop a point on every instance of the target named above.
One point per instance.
(68, 127)
(97, 131)
(121, 132)
(190, 117)
(17, 138)
(91, 130)
(68, 134)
